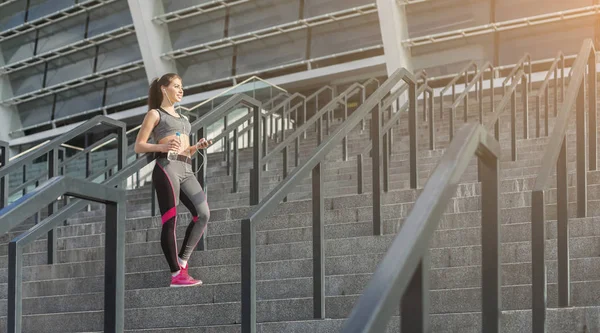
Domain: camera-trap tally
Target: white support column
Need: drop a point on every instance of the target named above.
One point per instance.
(394, 29)
(9, 116)
(154, 39)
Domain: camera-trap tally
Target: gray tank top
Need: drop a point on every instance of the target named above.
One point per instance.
(168, 124)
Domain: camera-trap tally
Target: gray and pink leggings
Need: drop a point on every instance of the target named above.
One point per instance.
(174, 180)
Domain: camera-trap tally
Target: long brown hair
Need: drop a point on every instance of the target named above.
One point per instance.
(155, 96)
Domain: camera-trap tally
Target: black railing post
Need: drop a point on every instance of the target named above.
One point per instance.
(255, 174)
(480, 97)
(265, 142)
(114, 274)
(52, 172)
(466, 102)
(376, 162)
(297, 149)
(581, 152)
(318, 228)
(490, 244)
(248, 276)
(412, 130)
(201, 176)
(4, 150)
(431, 122)
(15, 288)
(525, 100)
(235, 161)
(359, 172)
(284, 154)
(414, 305)
(386, 164)
(513, 125)
(564, 298)
(538, 262)
(592, 111)
(452, 115)
(537, 116)
(227, 155)
(225, 141)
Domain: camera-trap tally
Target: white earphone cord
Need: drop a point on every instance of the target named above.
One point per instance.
(197, 149)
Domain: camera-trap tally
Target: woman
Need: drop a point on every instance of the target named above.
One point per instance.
(173, 177)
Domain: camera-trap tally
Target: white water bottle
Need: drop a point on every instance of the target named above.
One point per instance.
(172, 154)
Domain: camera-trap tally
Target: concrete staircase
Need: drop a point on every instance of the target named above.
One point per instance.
(67, 297)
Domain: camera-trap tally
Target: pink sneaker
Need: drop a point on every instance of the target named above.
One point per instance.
(184, 280)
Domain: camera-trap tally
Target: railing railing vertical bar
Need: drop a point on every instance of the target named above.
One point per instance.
(248, 276)
(284, 154)
(52, 243)
(581, 152)
(114, 271)
(359, 171)
(480, 97)
(537, 116)
(412, 132)
(297, 149)
(265, 141)
(490, 243)
(431, 122)
(592, 113)
(513, 125)
(525, 101)
(15, 288)
(538, 259)
(466, 108)
(547, 99)
(4, 150)
(256, 157)
(562, 226)
(236, 164)
(318, 229)
(556, 91)
(414, 304)
(24, 178)
(386, 164)
(227, 153)
(376, 165)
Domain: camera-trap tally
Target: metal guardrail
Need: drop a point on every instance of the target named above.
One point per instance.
(4, 157)
(403, 274)
(583, 71)
(464, 97)
(114, 258)
(544, 92)
(525, 61)
(510, 95)
(51, 149)
(314, 164)
(452, 84)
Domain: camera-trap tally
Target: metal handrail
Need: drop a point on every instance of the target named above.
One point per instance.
(51, 149)
(403, 273)
(230, 89)
(520, 65)
(452, 84)
(96, 145)
(315, 119)
(386, 129)
(556, 154)
(314, 164)
(114, 262)
(544, 91)
(510, 95)
(4, 158)
(465, 96)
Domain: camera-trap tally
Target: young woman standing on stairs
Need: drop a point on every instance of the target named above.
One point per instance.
(173, 176)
